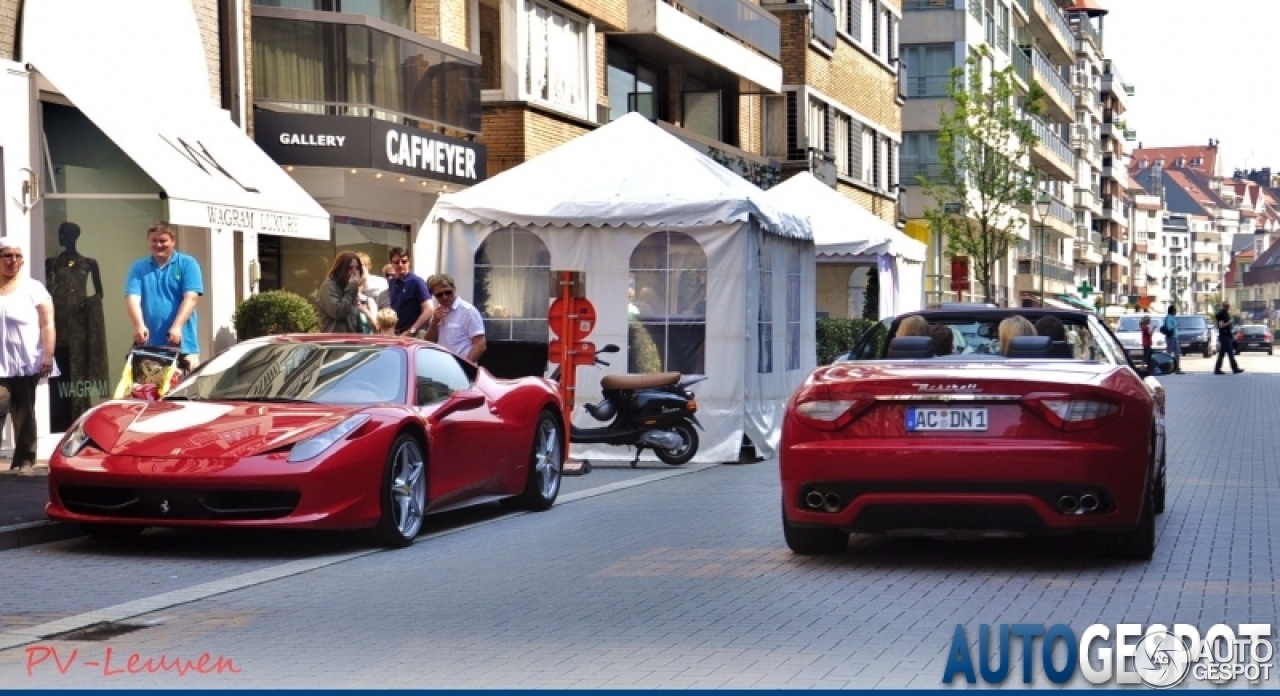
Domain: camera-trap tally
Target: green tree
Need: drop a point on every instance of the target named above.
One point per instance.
(871, 300)
(984, 140)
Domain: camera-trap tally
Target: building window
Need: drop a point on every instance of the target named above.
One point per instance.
(840, 147)
(633, 86)
(490, 46)
(669, 333)
(395, 12)
(919, 156)
(928, 69)
(764, 313)
(556, 69)
(818, 111)
(793, 307)
(512, 285)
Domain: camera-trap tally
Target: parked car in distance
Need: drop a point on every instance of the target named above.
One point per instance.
(1196, 335)
(1253, 337)
(1129, 331)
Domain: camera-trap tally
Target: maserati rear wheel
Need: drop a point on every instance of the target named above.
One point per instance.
(1139, 543)
(813, 541)
(404, 493)
(546, 466)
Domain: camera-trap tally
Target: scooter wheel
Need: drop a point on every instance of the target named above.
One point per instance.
(688, 446)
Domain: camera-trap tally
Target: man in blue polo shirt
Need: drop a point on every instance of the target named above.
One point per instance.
(408, 295)
(161, 293)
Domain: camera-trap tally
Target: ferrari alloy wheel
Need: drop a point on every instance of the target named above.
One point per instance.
(546, 464)
(404, 493)
(813, 541)
(687, 448)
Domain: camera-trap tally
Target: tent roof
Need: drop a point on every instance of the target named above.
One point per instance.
(629, 172)
(840, 226)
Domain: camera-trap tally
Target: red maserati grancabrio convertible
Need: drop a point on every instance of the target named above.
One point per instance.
(958, 433)
(313, 431)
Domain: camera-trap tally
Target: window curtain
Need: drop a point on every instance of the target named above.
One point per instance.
(289, 61)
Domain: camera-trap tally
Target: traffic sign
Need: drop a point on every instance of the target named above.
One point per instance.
(581, 316)
(584, 352)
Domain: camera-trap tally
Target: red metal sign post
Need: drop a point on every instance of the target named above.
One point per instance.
(572, 317)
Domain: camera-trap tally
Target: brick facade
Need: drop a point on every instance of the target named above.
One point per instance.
(8, 28)
(207, 19)
(609, 15)
(515, 133)
(445, 21)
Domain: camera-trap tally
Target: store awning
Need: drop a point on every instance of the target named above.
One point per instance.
(136, 69)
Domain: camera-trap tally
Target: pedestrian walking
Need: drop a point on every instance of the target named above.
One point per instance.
(1170, 330)
(1145, 326)
(456, 324)
(27, 343)
(338, 301)
(1226, 341)
(161, 292)
(409, 295)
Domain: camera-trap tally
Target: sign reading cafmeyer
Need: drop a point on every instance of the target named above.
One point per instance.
(367, 143)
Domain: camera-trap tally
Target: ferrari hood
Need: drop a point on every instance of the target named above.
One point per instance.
(206, 429)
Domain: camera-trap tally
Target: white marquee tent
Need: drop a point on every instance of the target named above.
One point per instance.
(845, 232)
(684, 260)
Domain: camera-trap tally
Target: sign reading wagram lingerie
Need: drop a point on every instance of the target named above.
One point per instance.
(307, 140)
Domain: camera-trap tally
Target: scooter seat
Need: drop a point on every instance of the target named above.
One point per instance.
(623, 382)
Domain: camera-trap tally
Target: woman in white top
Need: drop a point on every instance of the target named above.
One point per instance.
(26, 350)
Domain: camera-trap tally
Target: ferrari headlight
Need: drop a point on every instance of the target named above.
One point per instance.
(75, 440)
(313, 447)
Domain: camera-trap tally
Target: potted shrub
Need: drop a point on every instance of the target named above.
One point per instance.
(274, 312)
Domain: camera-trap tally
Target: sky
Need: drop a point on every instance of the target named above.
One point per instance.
(1200, 69)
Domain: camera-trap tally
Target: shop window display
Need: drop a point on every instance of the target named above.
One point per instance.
(98, 205)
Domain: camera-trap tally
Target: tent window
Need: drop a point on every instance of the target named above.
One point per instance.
(793, 307)
(512, 286)
(669, 329)
(764, 314)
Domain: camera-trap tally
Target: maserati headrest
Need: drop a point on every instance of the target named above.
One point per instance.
(906, 347)
(1029, 347)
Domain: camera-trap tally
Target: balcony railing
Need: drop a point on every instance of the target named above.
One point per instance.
(1058, 208)
(1047, 72)
(1112, 80)
(975, 9)
(1021, 64)
(749, 22)
(928, 5)
(1056, 20)
(1084, 29)
(1052, 141)
(1053, 269)
(354, 65)
(927, 86)
(910, 170)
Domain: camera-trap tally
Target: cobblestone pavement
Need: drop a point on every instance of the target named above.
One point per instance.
(681, 582)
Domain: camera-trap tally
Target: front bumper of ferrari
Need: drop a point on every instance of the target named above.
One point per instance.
(259, 491)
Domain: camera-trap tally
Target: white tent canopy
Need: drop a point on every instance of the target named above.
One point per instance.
(845, 231)
(637, 209)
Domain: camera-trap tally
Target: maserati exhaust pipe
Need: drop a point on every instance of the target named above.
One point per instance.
(813, 499)
(1068, 504)
(831, 502)
(1089, 502)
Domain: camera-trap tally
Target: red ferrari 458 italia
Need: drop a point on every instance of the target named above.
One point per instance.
(971, 430)
(313, 431)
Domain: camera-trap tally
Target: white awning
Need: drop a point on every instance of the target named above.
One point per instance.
(136, 69)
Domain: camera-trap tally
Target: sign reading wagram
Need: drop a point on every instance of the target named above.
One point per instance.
(367, 143)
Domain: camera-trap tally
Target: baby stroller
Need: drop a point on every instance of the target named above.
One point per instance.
(149, 373)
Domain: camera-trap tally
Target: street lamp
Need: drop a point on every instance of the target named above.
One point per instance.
(1042, 207)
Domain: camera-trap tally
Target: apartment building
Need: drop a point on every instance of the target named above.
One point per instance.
(1036, 38)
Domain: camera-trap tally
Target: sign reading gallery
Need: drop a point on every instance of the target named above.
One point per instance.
(309, 140)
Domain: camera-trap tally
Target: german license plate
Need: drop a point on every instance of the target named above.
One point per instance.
(935, 419)
(1254, 345)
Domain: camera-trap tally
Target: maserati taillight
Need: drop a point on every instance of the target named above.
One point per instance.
(820, 409)
(1066, 412)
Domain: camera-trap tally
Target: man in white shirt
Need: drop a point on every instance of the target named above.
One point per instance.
(456, 324)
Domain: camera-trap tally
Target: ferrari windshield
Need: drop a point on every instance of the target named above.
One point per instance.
(307, 372)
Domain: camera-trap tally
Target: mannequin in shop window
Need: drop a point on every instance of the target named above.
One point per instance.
(81, 349)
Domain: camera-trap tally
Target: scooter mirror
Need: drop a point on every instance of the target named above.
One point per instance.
(608, 348)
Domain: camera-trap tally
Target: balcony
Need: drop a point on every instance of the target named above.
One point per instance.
(910, 171)
(1084, 29)
(927, 5)
(1113, 84)
(1051, 29)
(734, 38)
(1059, 98)
(1207, 277)
(1088, 97)
(1087, 253)
(1140, 247)
(1054, 270)
(338, 64)
(1115, 209)
(1021, 65)
(1052, 152)
(1208, 256)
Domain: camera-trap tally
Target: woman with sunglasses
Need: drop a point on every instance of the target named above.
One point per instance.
(27, 340)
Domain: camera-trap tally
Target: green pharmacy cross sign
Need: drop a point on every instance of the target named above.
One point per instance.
(1085, 288)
